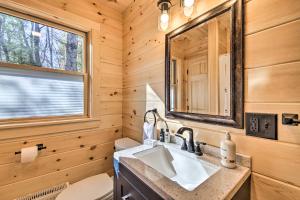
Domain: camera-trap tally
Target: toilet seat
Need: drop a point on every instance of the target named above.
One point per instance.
(91, 188)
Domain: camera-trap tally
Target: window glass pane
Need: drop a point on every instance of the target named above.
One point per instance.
(29, 93)
(26, 42)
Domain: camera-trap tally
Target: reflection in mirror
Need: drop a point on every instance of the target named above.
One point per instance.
(200, 69)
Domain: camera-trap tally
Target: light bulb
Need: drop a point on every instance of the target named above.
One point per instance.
(164, 17)
(188, 3)
(188, 11)
(164, 20)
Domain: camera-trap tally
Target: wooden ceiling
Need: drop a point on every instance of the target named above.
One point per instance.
(119, 5)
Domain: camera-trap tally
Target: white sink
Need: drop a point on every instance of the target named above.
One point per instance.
(182, 167)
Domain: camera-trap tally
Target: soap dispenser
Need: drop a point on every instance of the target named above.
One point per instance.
(162, 135)
(167, 136)
(228, 152)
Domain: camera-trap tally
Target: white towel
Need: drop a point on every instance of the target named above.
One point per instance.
(148, 131)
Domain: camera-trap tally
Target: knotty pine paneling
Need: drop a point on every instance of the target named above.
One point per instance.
(267, 188)
(73, 174)
(56, 143)
(278, 12)
(271, 84)
(272, 46)
(74, 150)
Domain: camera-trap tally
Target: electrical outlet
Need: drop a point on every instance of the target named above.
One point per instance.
(261, 125)
(253, 124)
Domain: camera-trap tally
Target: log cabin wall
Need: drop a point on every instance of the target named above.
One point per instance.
(272, 84)
(75, 150)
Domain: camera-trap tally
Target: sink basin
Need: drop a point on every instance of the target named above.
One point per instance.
(184, 168)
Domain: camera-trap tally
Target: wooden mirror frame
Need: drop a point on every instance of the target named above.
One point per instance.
(236, 118)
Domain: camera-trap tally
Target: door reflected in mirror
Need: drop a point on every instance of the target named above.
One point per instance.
(200, 68)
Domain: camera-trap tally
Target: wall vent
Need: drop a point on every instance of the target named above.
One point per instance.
(46, 194)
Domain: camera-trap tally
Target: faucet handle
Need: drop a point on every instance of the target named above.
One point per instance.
(198, 151)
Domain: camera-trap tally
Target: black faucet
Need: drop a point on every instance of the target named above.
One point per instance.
(191, 145)
(183, 146)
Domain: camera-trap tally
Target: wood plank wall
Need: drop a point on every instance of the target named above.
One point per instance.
(74, 150)
(272, 84)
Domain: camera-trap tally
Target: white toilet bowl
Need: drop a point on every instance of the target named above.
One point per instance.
(95, 187)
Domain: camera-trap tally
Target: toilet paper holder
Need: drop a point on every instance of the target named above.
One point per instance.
(40, 147)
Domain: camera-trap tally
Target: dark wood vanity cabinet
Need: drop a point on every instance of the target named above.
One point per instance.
(129, 187)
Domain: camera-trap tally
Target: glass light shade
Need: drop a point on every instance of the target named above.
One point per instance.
(188, 3)
(164, 17)
(188, 11)
(164, 26)
(164, 20)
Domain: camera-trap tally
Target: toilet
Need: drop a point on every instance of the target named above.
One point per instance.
(95, 187)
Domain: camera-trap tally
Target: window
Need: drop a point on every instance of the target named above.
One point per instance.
(42, 68)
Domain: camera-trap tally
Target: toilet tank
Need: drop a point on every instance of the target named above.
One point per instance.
(125, 143)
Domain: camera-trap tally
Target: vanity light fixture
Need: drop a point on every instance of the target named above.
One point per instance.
(188, 7)
(164, 17)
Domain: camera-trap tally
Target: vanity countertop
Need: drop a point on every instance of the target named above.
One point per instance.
(222, 185)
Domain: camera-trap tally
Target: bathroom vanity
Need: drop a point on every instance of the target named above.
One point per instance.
(166, 172)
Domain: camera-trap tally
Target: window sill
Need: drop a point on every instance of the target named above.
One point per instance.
(45, 123)
(25, 129)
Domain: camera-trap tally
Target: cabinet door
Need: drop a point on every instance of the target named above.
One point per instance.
(126, 191)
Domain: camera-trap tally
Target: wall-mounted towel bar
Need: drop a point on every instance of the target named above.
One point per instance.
(157, 117)
(290, 119)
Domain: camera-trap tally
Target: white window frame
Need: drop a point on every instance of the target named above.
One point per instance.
(85, 70)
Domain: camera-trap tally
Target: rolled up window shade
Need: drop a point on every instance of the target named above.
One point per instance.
(29, 93)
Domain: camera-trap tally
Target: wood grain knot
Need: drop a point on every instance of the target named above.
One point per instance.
(93, 147)
(58, 160)
(91, 158)
(81, 146)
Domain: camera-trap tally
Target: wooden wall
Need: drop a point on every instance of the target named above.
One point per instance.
(272, 85)
(75, 149)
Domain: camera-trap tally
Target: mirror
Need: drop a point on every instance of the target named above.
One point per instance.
(204, 68)
(200, 68)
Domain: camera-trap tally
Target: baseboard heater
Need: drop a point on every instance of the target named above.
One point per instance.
(46, 194)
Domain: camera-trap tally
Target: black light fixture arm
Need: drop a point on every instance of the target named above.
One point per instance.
(164, 4)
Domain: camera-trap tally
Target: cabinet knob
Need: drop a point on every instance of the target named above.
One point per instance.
(126, 197)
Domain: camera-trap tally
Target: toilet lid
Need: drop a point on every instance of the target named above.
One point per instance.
(90, 188)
